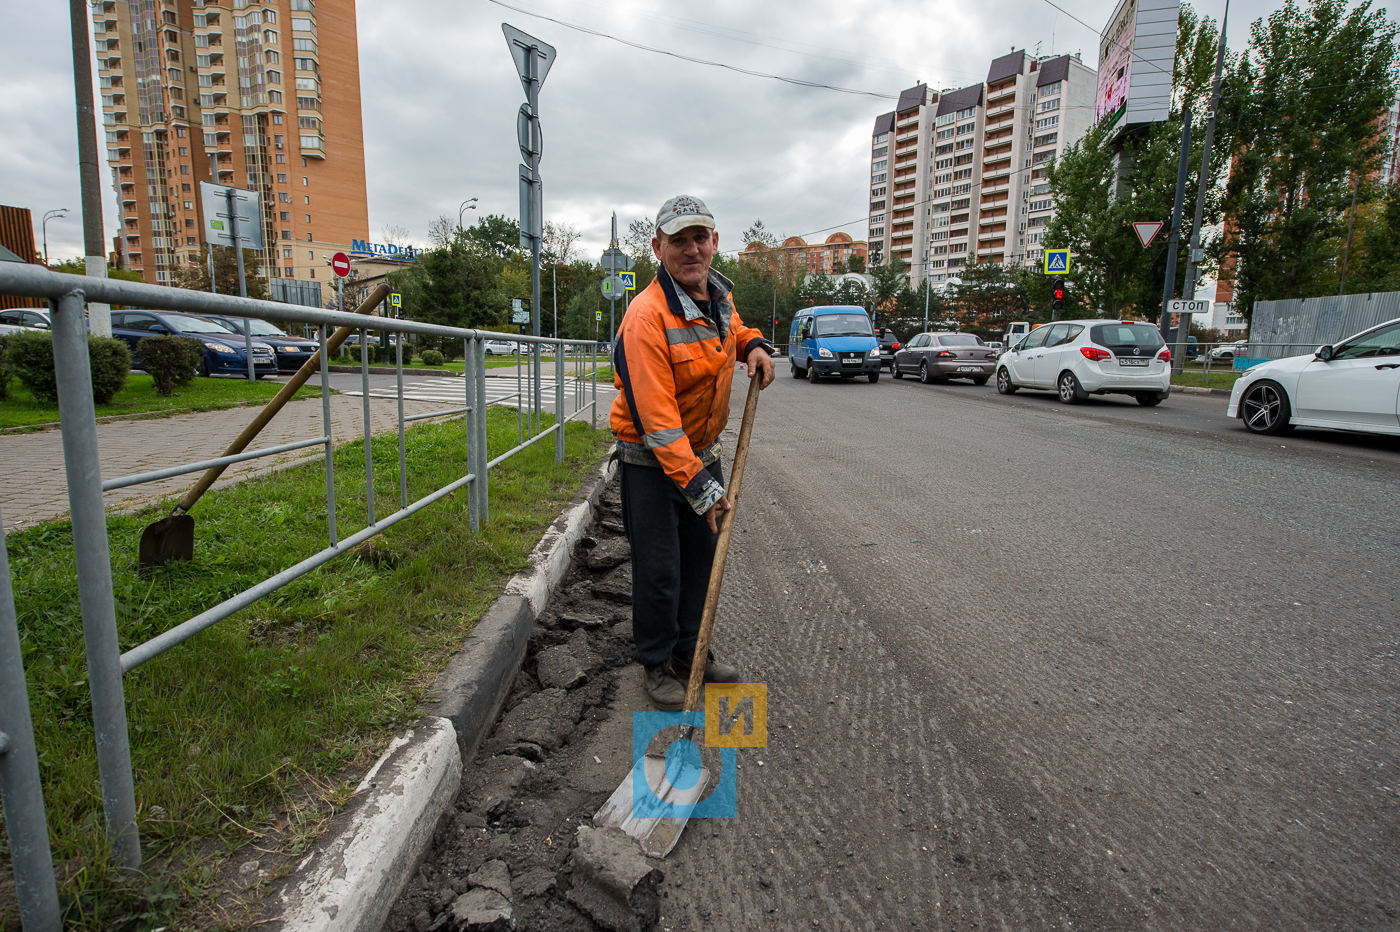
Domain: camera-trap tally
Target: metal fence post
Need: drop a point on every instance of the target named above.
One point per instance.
(25, 822)
(473, 455)
(593, 418)
(94, 561)
(559, 403)
(483, 455)
(403, 453)
(369, 427)
(326, 429)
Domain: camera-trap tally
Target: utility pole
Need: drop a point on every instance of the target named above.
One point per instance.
(89, 174)
(1174, 241)
(1346, 254)
(242, 281)
(1193, 255)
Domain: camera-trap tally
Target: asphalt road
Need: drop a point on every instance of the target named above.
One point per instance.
(1032, 666)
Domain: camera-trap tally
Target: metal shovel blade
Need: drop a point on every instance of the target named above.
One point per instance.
(168, 540)
(638, 817)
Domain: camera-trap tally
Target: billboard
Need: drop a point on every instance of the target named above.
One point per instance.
(1136, 55)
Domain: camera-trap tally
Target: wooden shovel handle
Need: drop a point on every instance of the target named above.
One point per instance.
(696, 686)
(269, 411)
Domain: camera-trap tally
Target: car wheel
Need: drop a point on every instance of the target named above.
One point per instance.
(797, 371)
(980, 380)
(204, 368)
(812, 375)
(1004, 383)
(873, 376)
(1068, 387)
(1149, 399)
(923, 372)
(894, 372)
(1265, 409)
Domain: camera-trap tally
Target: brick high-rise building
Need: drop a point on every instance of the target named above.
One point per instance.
(963, 178)
(259, 94)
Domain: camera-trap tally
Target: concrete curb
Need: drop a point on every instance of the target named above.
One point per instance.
(351, 878)
(1198, 390)
(361, 864)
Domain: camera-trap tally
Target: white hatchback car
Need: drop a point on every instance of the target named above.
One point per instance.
(1079, 358)
(1354, 385)
(500, 348)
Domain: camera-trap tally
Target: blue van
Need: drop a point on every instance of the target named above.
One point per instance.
(833, 340)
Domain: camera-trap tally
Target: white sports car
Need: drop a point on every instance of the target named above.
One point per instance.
(1353, 385)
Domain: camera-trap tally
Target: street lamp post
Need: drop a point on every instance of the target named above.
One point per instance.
(58, 213)
(469, 204)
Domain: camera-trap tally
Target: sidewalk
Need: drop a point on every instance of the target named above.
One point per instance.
(36, 489)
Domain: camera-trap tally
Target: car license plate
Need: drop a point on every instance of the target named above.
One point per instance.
(969, 368)
(850, 362)
(1128, 361)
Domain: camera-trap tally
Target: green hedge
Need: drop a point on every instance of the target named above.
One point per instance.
(29, 356)
(171, 361)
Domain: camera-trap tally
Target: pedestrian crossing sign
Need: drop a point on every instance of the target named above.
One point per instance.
(629, 280)
(598, 316)
(1056, 261)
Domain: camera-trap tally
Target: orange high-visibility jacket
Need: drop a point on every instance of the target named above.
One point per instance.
(673, 372)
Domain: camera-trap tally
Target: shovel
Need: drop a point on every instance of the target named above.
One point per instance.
(171, 539)
(658, 834)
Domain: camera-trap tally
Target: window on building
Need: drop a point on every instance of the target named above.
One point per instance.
(879, 165)
(945, 134)
(1048, 105)
(1048, 122)
(1049, 139)
(883, 150)
(879, 139)
(1042, 205)
(966, 128)
(967, 113)
(1049, 90)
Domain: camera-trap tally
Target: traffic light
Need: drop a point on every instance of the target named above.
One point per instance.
(1057, 296)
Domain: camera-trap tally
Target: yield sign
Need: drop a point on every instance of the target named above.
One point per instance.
(523, 45)
(1146, 231)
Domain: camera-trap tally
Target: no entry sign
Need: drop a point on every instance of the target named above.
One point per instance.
(340, 264)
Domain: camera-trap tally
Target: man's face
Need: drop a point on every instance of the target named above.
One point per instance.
(687, 255)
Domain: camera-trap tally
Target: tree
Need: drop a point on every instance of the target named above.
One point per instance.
(560, 240)
(499, 235)
(636, 242)
(1375, 258)
(196, 277)
(441, 231)
(989, 296)
(888, 280)
(758, 233)
(1301, 119)
(396, 235)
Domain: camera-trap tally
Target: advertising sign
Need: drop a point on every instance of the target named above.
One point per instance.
(1135, 63)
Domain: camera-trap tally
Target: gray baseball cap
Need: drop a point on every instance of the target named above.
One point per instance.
(683, 211)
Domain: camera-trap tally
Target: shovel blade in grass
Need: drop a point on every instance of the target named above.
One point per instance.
(638, 814)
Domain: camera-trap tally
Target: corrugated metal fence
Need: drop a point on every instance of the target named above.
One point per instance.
(1298, 326)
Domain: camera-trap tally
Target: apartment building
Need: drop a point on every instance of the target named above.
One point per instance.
(259, 94)
(805, 258)
(966, 181)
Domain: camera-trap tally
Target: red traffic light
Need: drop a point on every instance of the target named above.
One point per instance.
(1059, 294)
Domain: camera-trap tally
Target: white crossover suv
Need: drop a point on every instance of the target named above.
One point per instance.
(1079, 358)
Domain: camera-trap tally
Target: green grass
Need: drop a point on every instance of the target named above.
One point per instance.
(139, 396)
(1222, 377)
(257, 718)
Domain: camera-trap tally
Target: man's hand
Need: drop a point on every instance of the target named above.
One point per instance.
(718, 509)
(759, 360)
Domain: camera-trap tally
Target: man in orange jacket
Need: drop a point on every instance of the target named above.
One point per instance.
(673, 366)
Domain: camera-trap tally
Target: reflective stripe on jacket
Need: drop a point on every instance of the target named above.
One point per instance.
(673, 371)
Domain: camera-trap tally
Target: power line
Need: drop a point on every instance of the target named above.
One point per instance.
(799, 82)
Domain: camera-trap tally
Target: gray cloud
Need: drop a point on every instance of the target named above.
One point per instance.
(624, 129)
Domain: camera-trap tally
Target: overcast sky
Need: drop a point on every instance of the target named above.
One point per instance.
(624, 129)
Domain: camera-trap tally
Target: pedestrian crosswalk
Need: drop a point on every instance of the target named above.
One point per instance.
(452, 392)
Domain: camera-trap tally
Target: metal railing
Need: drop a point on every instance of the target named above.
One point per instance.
(107, 664)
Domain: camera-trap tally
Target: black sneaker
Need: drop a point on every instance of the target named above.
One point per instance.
(715, 672)
(667, 693)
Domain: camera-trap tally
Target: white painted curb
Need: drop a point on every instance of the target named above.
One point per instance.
(344, 884)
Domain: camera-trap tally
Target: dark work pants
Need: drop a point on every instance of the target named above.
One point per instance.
(672, 552)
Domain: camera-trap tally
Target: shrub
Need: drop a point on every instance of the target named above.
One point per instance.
(171, 361)
(431, 357)
(30, 357)
(110, 360)
(5, 374)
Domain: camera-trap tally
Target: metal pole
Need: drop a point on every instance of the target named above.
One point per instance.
(25, 822)
(533, 95)
(519, 399)
(927, 288)
(369, 428)
(242, 282)
(1183, 332)
(403, 451)
(326, 429)
(1174, 241)
(593, 418)
(554, 293)
(1346, 255)
(94, 560)
(213, 286)
(469, 418)
(483, 455)
(558, 403)
(89, 170)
